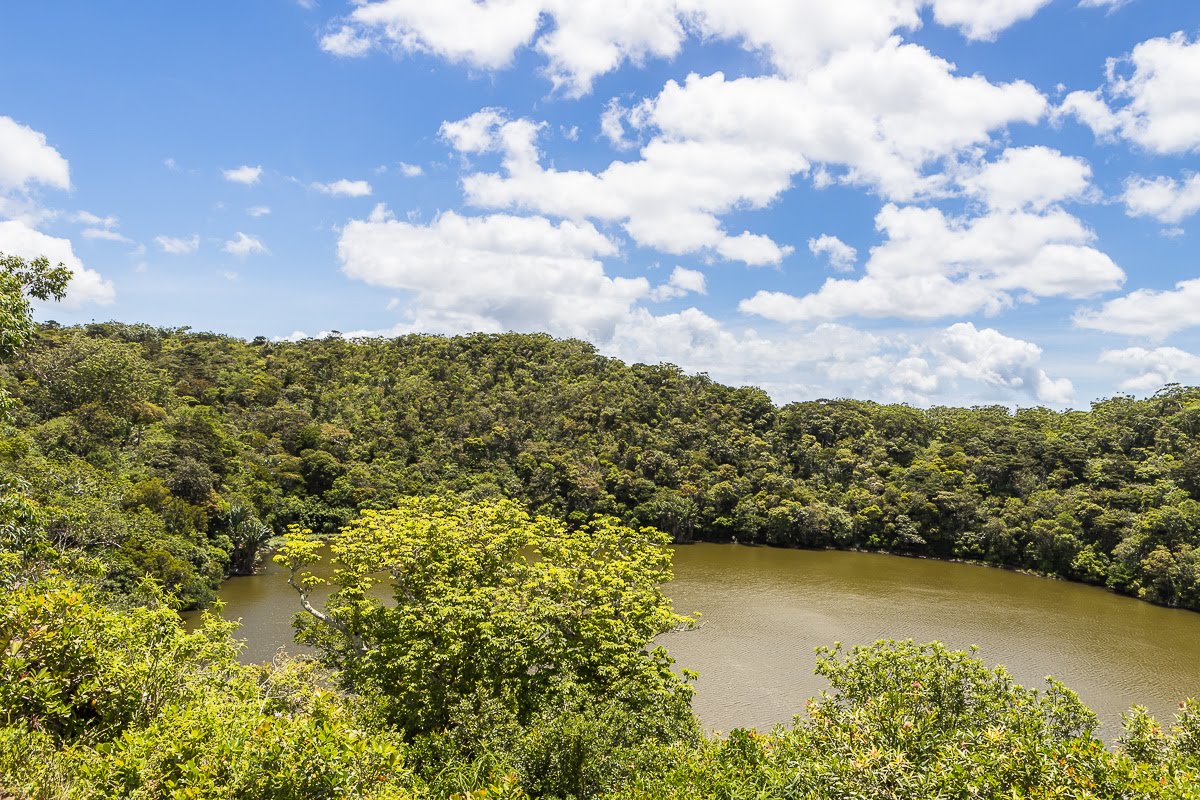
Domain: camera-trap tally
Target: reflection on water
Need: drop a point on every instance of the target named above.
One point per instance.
(764, 610)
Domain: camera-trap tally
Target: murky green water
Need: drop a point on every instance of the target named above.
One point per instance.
(765, 610)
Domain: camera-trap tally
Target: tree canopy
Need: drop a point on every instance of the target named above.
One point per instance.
(139, 443)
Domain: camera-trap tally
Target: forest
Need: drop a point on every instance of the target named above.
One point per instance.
(178, 455)
(515, 494)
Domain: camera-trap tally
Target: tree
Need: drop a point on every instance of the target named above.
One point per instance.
(497, 617)
(19, 281)
(248, 536)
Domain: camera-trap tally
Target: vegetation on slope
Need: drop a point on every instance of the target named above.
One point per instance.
(178, 454)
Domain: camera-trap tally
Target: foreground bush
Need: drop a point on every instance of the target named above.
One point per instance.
(919, 721)
(511, 662)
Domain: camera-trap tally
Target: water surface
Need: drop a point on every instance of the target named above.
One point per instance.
(764, 610)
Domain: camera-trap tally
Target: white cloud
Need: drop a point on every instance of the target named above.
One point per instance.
(613, 127)
(410, 170)
(1111, 5)
(26, 159)
(178, 246)
(246, 175)
(682, 282)
(493, 273)
(957, 364)
(990, 357)
(790, 367)
(476, 133)
(1153, 368)
(801, 35)
(590, 39)
(258, 211)
(931, 266)
(244, 245)
(841, 255)
(584, 39)
(753, 249)
(103, 228)
(1156, 107)
(1147, 312)
(689, 280)
(882, 115)
(346, 42)
(106, 234)
(479, 34)
(1028, 177)
(87, 286)
(345, 188)
(88, 218)
(984, 19)
(1165, 199)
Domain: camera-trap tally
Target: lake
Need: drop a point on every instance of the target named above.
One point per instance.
(764, 610)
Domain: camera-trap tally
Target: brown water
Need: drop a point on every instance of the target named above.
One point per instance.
(765, 610)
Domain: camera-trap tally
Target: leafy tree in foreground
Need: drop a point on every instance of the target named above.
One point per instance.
(504, 630)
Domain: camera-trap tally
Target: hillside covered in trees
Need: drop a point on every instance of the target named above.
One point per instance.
(179, 454)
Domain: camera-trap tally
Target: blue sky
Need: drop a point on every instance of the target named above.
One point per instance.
(928, 201)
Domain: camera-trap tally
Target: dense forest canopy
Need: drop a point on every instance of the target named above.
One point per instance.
(177, 454)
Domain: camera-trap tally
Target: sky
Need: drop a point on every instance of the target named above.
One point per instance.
(952, 202)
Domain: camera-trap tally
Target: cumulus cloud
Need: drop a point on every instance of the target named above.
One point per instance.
(345, 188)
(1028, 177)
(1151, 97)
(682, 282)
(244, 245)
(881, 115)
(984, 19)
(178, 246)
(1167, 200)
(990, 357)
(1147, 312)
(86, 287)
(1153, 368)
(245, 175)
(931, 266)
(841, 255)
(410, 170)
(584, 39)
(258, 211)
(493, 273)
(26, 158)
(955, 364)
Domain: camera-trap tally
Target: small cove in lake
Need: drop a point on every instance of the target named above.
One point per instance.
(766, 609)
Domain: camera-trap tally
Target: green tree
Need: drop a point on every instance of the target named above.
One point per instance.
(488, 602)
(498, 615)
(21, 280)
